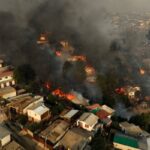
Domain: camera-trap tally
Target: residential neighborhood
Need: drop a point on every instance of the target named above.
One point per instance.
(75, 75)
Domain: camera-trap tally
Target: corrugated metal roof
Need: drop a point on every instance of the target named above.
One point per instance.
(71, 113)
(41, 109)
(89, 118)
(126, 141)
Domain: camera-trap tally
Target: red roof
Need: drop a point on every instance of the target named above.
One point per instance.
(102, 114)
(6, 73)
(94, 106)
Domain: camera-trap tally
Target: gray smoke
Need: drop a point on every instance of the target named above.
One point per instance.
(86, 24)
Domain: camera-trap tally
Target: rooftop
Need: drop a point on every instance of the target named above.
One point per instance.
(69, 114)
(128, 141)
(3, 132)
(22, 101)
(39, 109)
(6, 73)
(108, 109)
(75, 138)
(93, 107)
(131, 127)
(102, 114)
(12, 146)
(89, 118)
(55, 131)
(7, 90)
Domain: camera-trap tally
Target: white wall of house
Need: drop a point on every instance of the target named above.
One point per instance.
(32, 104)
(85, 126)
(5, 140)
(6, 78)
(36, 117)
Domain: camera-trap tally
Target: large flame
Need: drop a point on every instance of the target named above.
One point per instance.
(61, 94)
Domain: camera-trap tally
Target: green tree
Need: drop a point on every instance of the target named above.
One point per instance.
(24, 74)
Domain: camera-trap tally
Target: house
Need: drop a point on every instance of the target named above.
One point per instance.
(20, 104)
(108, 110)
(38, 113)
(104, 117)
(55, 131)
(7, 92)
(6, 75)
(69, 114)
(94, 108)
(130, 128)
(75, 139)
(13, 145)
(125, 142)
(87, 121)
(5, 137)
(132, 92)
(148, 143)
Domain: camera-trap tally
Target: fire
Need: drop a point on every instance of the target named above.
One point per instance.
(48, 85)
(142, 71)
(90, 70)
(77, 58)
(61, 94)
(58, 53)
(42, 39)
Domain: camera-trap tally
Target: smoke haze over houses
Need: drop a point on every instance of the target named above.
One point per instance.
(86, 24)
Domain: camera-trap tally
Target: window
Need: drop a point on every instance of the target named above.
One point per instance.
(86, 126)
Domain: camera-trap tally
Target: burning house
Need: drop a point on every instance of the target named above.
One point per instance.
(90, 74)
(133, 92)
(72, 96)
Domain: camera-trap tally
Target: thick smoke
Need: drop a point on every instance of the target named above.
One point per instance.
(86, 24)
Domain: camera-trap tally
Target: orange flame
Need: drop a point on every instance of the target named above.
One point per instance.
(90, 70)
(142, 71)
(77, 58)
(61, 94)
(42, 39)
